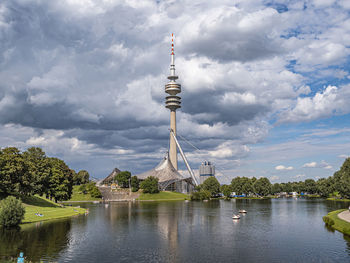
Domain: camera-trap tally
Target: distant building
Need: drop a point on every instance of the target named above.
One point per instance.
(206, 170)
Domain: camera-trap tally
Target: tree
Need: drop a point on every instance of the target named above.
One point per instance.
(226, 190)
(212, 185)
(95, 192)
(237, 185)
(61, 180)
(344, 183)
(14, 175)
(201, 195)
(325, 186)
(262, 186)
(135, 184)
(11, 212)
(82, 177)
(123, 179)
(276, 188)
(150, 185)
(39, 169)
(310, 186)
(247, 185)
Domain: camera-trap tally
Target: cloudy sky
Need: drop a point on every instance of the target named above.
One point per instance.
(265, 84)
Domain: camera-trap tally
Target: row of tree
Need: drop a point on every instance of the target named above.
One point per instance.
(338, 184)
(32, 172)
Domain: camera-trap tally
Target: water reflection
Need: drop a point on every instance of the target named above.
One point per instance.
(37, 241)
(272, 231)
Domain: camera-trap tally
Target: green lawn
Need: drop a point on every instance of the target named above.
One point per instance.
(164, 195)
(49, 210)
(339, 224)
(77, 196)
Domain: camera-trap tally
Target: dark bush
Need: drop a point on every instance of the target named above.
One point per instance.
(329, 221)
(11, 212)
(150, 185)
(201, 195)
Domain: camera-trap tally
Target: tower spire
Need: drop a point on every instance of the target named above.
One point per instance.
(173, 102)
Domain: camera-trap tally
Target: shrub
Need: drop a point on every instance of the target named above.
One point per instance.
(329, 221)
(201, 195)
(11, 212)
(150, 185)
(95, 192)
(135, 185)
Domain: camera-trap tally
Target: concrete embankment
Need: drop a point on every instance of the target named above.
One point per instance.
(117, 195)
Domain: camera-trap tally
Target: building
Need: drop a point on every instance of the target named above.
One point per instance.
(206, 170)
(168, 177)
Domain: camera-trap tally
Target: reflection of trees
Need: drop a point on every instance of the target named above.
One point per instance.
(36, 241)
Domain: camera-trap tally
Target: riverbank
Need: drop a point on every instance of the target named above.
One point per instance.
(338, 199)
(163, 196)
(332, 219)
(41, 209)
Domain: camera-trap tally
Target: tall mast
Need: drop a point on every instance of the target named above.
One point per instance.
(172, 102)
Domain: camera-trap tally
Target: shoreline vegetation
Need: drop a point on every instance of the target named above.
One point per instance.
(163, 196)
(338, 199)
(333, 221)
(39, 209)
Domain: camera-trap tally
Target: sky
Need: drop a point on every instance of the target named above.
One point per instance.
(265, 84)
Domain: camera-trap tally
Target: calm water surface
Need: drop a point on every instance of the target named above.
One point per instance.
(281, 230)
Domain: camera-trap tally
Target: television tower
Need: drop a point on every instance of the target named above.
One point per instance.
(173, 103)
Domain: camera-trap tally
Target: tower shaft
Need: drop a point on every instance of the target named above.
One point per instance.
(173, 102)
(173, 149)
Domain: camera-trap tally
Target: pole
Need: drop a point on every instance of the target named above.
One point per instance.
(184, 158)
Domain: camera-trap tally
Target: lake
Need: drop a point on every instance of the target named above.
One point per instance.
(277, 230)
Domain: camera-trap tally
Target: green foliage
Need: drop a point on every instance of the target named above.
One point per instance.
(11, 212)
(38, 168)
(276, 188)
(226, 190)
(135, 184)
(82, 177)
(14, 175)
(150, 185)
(262, 186)
(211, 185)
(243, 185)
(60, 181)
(95, 192)
(201, 195)
(123, 179)
(329, 221)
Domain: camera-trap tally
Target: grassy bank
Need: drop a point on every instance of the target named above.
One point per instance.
(338, 199)
(163, 196)
(48, 209)
(78, 196)
(335, 222)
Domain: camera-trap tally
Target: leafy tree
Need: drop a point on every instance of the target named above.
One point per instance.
(226, 190)
(11, 212)
(201, 195)
(247, 185)
(123, 179)
(95, 192)
(344, 182)
(82, 177)
(212, 185)
(135, 184)
(276, 188)
(310, 186)
(14, 175)
(325, 186)
(262, 186)
(237, 185)
(61, 180)
(150, 185)
(39, 169)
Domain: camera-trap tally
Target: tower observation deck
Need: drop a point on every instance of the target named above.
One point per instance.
(173, 102)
